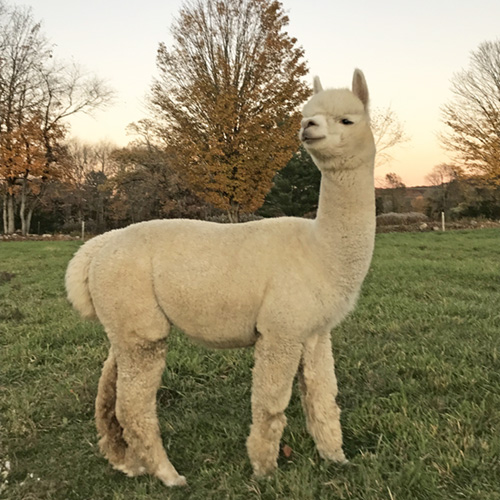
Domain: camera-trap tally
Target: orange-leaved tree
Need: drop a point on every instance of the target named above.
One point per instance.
(227, 97)
(472, 116)
(24, 166)
(36, 94)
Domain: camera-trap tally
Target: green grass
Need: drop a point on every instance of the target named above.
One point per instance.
(418, 368)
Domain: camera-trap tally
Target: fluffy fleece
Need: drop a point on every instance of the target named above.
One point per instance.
(279, 285)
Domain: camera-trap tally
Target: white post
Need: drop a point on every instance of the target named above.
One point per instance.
(442, 221)
(83, 230)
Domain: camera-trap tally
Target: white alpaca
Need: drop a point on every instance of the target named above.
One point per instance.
(280, 285)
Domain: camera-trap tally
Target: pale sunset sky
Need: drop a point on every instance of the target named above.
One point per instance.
(408, 52)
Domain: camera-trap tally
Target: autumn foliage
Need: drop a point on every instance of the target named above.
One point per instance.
(226, 102)
(36, 94)
(22, 152)
(472, 116)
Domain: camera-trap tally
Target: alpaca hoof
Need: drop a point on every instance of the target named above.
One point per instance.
(177, 481)
(262, 471)
(336, 456)
(131, 471)
(262, 476)
(169, 476)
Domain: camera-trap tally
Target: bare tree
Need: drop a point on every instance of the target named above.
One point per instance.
(388, 132)
(65, 91)
(22, 45)
(103, 151)
(473, 114)
(81, 158)
(396, 192)
(394, 181)
(442, 174)
(447, 188)
(36, 95)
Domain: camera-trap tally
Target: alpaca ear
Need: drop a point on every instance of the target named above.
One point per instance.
(359, 87)
(317, 85)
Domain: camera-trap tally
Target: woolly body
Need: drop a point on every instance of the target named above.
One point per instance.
(278, 284)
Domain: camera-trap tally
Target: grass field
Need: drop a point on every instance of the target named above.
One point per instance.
(418, 366)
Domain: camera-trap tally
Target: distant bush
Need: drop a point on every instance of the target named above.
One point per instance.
(223, 218)
(404, 219)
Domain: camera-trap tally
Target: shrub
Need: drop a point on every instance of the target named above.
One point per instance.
(404, 219)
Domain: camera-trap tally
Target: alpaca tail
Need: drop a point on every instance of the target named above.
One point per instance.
(77, 277)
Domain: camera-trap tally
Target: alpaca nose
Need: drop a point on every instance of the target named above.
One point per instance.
(309, 122)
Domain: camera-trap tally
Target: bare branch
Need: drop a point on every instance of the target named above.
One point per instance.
(388, 132)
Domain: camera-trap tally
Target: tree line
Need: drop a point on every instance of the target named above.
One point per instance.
(37, 93)
(221, 136)
(447, 190)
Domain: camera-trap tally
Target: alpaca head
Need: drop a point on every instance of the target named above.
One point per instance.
(336, 126)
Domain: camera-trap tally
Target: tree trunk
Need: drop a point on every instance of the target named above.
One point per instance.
(22, 208)
(233, 213)
(100, 213)
(4, 214)
(28, 220)
(10, 214)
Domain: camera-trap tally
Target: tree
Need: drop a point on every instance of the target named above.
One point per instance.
(146, 187)
(394, 181)
(442, 174)
(36, 94)
(295, 190)
(227, 97)
(103, 152)
(24, 161)
(21, 44)
(472, 116)
(445, 194)
(142, 185)
(66, 91)
(388, 132)
(97, 192)
(474, 196)
(396, 189)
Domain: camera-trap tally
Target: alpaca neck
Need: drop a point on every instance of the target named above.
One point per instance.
(345, 222)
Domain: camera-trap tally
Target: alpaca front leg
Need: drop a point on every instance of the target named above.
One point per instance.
(275, 367)
(318, 386)
(140, 368)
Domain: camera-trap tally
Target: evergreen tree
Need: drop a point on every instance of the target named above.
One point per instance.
(295, 189)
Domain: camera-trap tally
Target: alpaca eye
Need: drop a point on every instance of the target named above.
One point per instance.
(345, 121)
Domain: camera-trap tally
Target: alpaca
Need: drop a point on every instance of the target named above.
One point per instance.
(279, 285)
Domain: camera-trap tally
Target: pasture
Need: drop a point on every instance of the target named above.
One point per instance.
(418, 366)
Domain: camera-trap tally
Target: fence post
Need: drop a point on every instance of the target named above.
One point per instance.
(442, 221)
(83, 230)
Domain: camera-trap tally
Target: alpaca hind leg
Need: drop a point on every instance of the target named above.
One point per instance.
(318, 387)
(140, 367)
(275, 367)
(111, 444)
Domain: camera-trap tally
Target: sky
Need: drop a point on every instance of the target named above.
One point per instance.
(408, 52)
